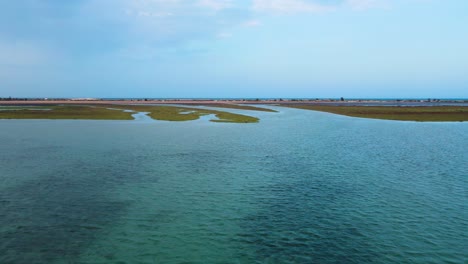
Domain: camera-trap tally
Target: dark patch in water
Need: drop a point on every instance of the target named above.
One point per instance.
(59, 213)
(302, 216)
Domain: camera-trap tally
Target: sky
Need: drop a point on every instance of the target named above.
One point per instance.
(234, 49)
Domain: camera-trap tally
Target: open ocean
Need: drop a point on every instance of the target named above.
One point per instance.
(298, 187)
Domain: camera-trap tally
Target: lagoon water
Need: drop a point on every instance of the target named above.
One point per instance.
(298, 187)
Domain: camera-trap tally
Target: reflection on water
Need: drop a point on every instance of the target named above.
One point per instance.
(298, 187)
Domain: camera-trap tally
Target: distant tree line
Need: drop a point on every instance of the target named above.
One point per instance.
(12, 99)
(28, 99)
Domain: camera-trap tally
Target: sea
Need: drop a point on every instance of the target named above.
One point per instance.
(298, 187)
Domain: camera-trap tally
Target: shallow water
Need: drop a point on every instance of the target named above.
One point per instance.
(298, 187)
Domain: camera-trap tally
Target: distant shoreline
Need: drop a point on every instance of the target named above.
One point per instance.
(407, 110)
(335, 102)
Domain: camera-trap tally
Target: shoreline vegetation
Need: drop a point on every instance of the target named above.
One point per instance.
(118, 112)
(229, 103)
(405, 113)
(429, 110)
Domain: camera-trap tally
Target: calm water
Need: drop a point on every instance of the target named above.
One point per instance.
(299, 187)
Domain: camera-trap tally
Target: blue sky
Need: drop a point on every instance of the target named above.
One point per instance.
(224, 48)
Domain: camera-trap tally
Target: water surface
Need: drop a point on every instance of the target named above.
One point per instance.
(298, 187)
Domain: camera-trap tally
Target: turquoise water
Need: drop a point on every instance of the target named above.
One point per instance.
(299, 187)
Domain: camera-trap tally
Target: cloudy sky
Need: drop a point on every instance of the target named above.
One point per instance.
(228, 48)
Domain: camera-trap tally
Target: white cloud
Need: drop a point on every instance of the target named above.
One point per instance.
(148, 29)
(289, 6)
(366, 4)
(303, 6)
(174, 22)
(216, 4)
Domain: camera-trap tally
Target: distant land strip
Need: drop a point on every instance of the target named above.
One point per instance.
(238, 106)
(117, 112)
(423, 110)
(233, 103)
(404, 113)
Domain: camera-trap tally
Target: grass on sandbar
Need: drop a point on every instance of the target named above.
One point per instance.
(66, 112)
(236, 106)
(13, 108)
(176, 113)
(407, 113)
(101, 112)
(226, 117)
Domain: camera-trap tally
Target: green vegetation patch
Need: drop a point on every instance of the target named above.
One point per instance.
(225, 117)
(102, 112)
(175, 113)
(66, 112)
(14, 108)
(236, 106)
(406, 113)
